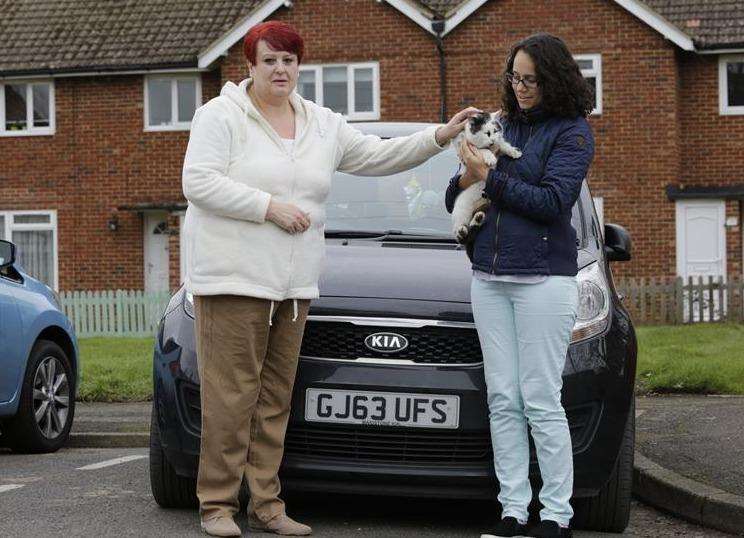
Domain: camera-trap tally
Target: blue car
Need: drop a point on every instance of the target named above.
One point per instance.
(39, 362)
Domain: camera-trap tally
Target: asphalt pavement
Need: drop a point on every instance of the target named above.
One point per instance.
(105, 492)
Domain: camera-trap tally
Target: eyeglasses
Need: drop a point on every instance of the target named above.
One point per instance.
(529, 81)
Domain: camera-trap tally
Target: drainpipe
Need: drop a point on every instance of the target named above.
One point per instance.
(437, 26)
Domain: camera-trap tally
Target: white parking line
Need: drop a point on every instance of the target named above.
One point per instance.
(10, 487)
(109, 463)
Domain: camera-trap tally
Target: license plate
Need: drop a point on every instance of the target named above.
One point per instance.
(382, 408)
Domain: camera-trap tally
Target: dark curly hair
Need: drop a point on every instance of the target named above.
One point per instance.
(565, 92)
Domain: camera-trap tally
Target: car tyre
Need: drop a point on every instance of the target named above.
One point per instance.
(47, 403)
(170, 489)
(609, 511)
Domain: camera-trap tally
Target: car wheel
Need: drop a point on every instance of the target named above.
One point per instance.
(170, 489)
(47, 403)
(609, 511)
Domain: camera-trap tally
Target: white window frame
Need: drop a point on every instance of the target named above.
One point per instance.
(596, 72)
(174, 125)
(723, 106)
(11, 227)
(30, 130)
(599, 209)
(353, 115)
(181, 247)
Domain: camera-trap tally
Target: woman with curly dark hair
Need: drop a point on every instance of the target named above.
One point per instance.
(524, 291)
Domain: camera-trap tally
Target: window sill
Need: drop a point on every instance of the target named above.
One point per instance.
(38, 132)
(166, 128)
(363, 116)
(732, 111)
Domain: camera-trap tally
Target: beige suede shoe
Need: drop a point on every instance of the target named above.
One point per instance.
(281, 524)
(220, 526)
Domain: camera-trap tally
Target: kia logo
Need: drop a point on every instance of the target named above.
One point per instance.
(386, 342)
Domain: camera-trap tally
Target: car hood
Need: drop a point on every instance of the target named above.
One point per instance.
(399, 270)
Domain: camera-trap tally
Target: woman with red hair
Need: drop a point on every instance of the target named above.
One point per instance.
(256, 174)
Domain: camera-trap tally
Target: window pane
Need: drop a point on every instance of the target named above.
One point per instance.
(335, 90)
(2, 226)
(735, 83)
(186, 99)
(306, 85)
(159, 101)
(363, 90)
(585, 64)
(41, 104)
(15, 107)
(32, 219)
(34, 253)
(593, 83)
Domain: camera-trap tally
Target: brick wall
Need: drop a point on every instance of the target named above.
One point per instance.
(659, 125)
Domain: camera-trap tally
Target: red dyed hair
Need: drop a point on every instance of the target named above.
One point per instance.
(278, 35)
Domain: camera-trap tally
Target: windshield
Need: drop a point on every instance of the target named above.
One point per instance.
(411, 202)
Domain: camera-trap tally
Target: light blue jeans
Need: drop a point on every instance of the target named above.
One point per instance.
(524, 331)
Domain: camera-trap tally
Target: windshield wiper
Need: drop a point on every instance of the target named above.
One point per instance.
(352, 234)
(389, 235)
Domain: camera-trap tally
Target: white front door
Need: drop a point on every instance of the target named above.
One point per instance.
(701, 241)
(156, 251)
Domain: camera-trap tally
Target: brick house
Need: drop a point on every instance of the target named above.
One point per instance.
(95, 104)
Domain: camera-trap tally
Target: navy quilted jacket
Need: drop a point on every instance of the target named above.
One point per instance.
(527, 230)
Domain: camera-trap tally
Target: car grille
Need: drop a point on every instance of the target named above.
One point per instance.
(403, 446)
(426, 345)
(389, 446)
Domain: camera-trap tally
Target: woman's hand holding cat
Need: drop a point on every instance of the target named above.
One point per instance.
(476, 168)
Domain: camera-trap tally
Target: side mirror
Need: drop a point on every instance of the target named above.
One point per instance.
(617, 245)
(7, 254)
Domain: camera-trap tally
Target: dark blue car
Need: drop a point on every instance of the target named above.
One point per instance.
(39, 362)
(390, 397)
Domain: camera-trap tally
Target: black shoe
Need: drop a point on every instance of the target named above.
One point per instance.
(549, 529)
(506, 528)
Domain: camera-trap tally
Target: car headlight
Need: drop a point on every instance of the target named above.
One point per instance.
(188, 304)
(593, 313)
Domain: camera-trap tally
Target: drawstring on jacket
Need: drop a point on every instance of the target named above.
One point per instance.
(271, 311)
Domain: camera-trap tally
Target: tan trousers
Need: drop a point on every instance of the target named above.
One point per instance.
(247, 371)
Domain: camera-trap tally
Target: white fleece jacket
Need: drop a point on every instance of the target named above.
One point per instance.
(236, 163)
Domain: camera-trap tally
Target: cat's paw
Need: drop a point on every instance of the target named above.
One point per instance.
(477, 219)
(490, 159)
(462, 234)
(516, 154)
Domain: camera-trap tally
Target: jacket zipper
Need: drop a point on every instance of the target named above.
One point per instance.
(293, 236)
(498, 217)
(275, 137)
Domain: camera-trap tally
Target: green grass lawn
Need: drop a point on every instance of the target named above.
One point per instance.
(116, 369)
(703, 358)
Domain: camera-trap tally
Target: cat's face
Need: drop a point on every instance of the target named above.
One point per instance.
(484, 130)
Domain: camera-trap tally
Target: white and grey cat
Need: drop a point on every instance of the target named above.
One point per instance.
(486, 133)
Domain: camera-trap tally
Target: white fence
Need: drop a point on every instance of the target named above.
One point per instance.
(114, 313)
